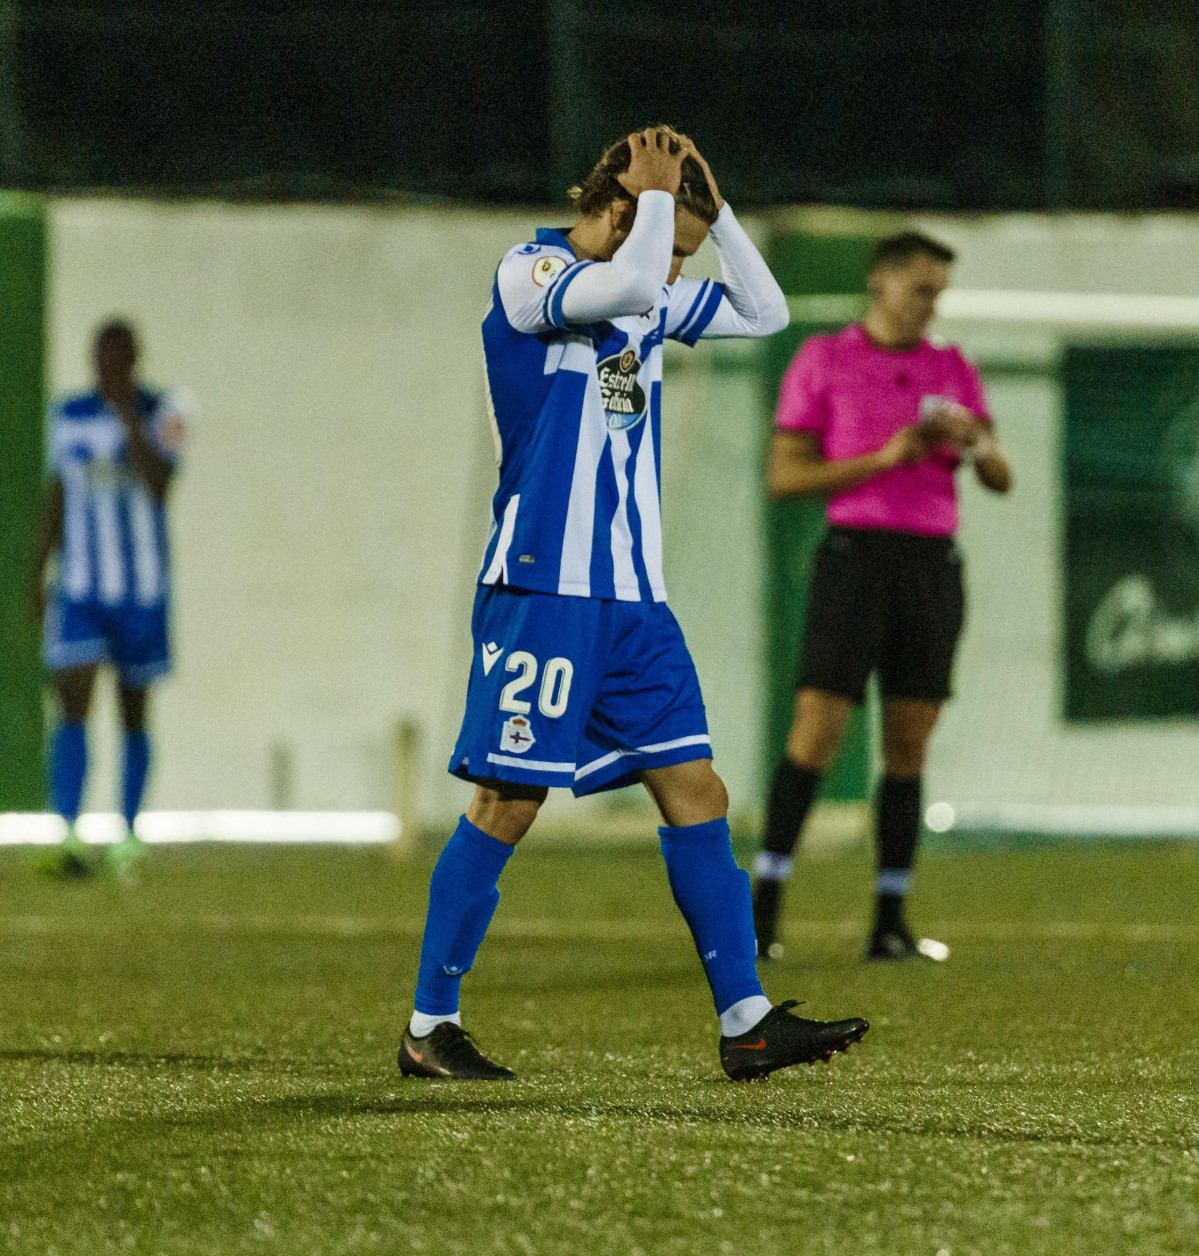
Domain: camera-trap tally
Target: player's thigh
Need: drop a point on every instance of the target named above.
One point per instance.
(648, 710)
(926, 614)
(908, 725)
(844, 626)
(817, 728)
(532, 683)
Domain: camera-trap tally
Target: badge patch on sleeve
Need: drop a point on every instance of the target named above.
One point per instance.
(517, 736)
(547, 269)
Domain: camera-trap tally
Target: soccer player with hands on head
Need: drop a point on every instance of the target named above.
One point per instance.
(877, 419)
(581, 677)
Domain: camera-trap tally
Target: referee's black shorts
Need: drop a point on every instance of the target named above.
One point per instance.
(887, 602)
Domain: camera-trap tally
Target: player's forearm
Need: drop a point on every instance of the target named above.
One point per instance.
(806, 477)
(754, 303)
(631, 281)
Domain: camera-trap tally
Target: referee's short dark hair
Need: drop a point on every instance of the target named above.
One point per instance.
(898, 250)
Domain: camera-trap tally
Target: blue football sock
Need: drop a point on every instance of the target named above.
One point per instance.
(716, 901)
(68, 766)
(462, 900)
(133, 781)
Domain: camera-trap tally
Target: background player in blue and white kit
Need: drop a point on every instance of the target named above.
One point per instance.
(581, 677)
(112, 456)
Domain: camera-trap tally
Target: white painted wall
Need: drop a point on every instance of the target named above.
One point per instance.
(330, 515)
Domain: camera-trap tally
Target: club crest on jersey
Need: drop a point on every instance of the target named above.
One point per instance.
(517, 735)
(623, 396)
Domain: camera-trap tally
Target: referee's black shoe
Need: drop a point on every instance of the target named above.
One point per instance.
(450, 1052)
(895, 944)
(779, 1040)
(768, 896)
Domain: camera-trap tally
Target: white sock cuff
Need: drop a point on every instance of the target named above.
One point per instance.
(771, 867)
(743, 1015)
(893, 881)
(423, 1024)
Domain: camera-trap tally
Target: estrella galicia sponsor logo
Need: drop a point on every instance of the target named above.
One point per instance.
(623, 397)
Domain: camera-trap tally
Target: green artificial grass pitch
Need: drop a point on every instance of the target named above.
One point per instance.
(205, 1063)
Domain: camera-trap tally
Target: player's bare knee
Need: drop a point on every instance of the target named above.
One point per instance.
(688, 793)
(74, 689)
(133, 709)
(903, 757)
(711, 789)
(813, 744)
(505, 810)
(817, 729)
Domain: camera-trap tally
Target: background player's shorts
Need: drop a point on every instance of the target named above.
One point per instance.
(885, 601)
(132, 638)
(579, 692)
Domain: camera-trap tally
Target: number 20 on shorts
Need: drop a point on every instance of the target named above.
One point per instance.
(555, 685)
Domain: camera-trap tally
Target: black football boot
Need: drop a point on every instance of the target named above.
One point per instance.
(779, 1040)
(449, 1051)
(895, 943)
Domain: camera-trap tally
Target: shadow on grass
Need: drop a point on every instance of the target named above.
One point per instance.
(136, 1059)
(173, 1136)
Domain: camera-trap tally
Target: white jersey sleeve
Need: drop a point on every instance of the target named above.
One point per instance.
(528, 277)
(747, 302)
(543, 286)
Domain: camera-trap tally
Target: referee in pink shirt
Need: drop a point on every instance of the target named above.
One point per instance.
(877, 419)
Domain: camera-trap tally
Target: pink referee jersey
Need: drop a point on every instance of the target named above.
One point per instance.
(855, 396)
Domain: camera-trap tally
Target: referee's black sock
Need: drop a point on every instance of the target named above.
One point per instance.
(792, 792)
(897, 835)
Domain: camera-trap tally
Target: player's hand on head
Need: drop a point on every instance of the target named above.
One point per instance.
(656, 164)
(689, 150)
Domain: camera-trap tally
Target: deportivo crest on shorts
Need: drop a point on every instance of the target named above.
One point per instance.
(623, 397)
(517, 735)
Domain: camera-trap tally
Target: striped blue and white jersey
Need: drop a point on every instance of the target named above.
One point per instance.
(576, 415)
(115, 549)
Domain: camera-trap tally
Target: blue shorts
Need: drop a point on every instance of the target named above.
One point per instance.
(132, 638)
(579, 692)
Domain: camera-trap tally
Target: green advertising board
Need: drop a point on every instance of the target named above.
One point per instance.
(22, 368)
(1131, 463)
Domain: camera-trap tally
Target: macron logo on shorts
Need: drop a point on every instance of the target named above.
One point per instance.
(491, 656)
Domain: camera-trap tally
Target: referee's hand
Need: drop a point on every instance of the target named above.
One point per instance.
(951, 424)
(908, 445)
